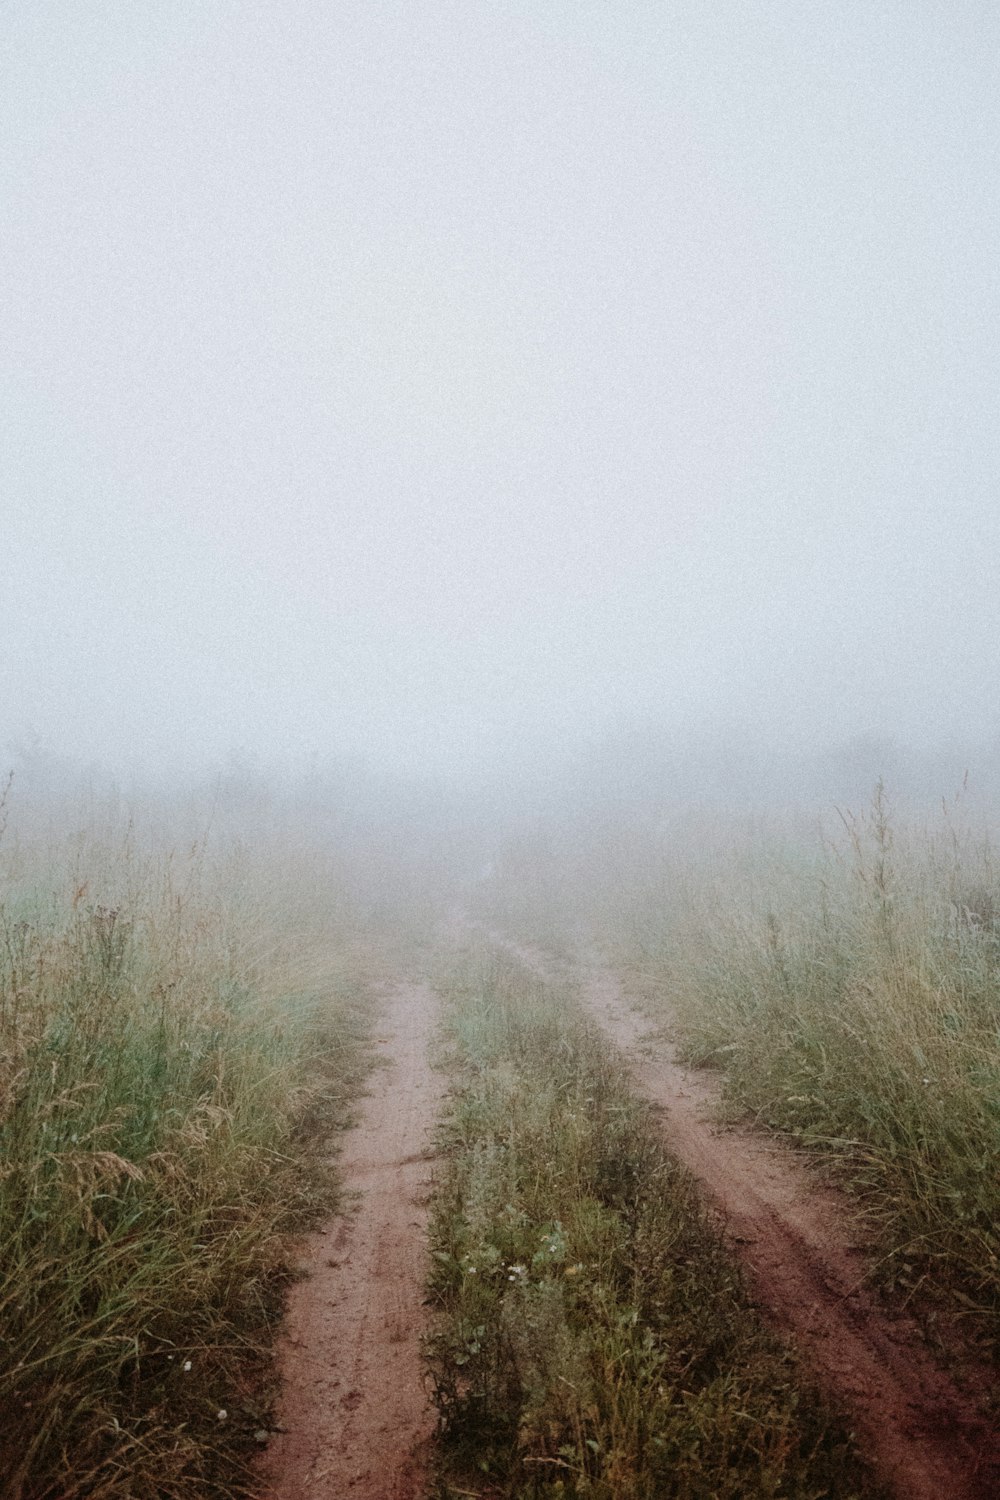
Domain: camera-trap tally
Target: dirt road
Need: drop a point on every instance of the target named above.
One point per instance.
(354, 1411)
(925, 1439)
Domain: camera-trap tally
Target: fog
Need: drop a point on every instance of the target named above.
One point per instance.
(463, 390)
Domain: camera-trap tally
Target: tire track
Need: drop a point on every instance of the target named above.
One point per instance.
(354, 1416)
(924, 1437)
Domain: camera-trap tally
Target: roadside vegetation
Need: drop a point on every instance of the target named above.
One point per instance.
(179, 1034)
(848, 987)
(592, 1336)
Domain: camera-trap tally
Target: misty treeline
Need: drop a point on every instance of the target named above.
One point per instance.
(389, 841)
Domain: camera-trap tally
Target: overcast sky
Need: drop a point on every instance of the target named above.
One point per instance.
(448, 381)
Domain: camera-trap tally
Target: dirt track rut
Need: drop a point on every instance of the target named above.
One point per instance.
(354, 1414)
(924, 1438)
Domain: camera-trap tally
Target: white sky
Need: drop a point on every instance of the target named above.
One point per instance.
(445, 382)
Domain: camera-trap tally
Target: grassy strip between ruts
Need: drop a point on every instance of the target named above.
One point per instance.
(592, 1335)
(171, 1068)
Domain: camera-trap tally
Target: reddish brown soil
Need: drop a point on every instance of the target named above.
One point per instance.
(924, 1438)
(354, 1415)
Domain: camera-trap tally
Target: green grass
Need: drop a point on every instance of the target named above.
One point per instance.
(850, 992)
(174, 1056)
(592, 1336)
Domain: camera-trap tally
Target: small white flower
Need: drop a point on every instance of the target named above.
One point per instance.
(221, 1414)
(186, 1366)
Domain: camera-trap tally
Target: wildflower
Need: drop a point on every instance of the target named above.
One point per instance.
(186, 1366)
(221, 1414)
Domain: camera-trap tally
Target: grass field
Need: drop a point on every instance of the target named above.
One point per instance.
(186, 1002)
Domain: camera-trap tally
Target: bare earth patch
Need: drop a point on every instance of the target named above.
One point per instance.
(924, 1437)
(354, 1414)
